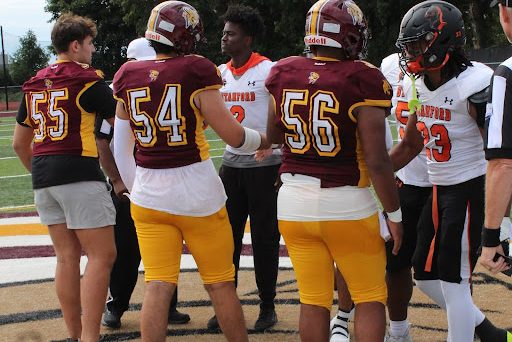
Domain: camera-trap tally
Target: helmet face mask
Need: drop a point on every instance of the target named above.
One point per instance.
(176, 24)
(429, 32)
(339, 24)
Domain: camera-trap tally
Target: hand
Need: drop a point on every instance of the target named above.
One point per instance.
(261, 155)
(121, 190)
(397, 232)
(487, 256)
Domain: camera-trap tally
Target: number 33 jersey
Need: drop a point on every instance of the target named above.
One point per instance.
(453, 141)
(158, 95)
(315, 100)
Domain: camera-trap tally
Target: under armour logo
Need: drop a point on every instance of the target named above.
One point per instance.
(253, 83)
(448, 101)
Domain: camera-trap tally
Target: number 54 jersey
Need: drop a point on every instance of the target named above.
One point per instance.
(453, 141)
(159, 95)
(315, 100)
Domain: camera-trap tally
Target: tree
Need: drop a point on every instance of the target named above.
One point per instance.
(29, 58)
(120, 21)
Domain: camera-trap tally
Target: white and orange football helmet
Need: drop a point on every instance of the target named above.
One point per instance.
(337, 23)
(177, 24)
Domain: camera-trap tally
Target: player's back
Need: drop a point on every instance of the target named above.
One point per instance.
(158, 96)
(52, 97)
(315, 103)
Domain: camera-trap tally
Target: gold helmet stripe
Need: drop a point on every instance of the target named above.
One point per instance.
(154, 14)
(315, 17)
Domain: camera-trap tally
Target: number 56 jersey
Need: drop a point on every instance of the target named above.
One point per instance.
(453, 141)
(315, 100)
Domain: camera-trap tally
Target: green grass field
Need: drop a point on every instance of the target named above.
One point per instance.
(15, 181)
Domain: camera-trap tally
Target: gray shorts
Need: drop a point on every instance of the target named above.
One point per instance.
(80, 205)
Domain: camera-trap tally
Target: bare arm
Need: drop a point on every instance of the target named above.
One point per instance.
(498, 188)
(214, 110)
(22, 144)
(371, 129)
(412, 144)
(109, 166)
(273, 133)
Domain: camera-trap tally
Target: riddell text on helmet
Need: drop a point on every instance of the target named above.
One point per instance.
(153, 36)
(312, 40)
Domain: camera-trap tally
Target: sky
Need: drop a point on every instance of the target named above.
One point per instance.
(18, 16)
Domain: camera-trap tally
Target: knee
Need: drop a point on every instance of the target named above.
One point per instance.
(69, 257)
(222, 286)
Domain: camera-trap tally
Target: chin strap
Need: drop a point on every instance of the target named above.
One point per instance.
(414, 103)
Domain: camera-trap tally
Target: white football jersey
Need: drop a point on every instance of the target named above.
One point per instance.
(454, 145)
(247, 97)
(415, 173)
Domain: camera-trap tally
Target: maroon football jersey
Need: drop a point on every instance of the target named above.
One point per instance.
(158, 97)
(315, 100)
(61, 125)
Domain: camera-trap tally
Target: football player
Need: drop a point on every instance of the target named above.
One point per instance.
(329, 111)
(70, 192)
(125, 271)
(449, 94)
(249, 183)
(414, 189)
(177, 194)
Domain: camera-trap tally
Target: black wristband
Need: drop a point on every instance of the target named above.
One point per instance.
(490, 237)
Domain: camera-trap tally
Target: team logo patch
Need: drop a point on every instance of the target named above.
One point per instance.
(354, 11)
(153, 75)
(100, 74)
(48, 83)
(313, 77)
(191, 17)
(386, 87)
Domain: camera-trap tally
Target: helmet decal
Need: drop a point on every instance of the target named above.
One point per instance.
(435, 15)
(191, 17)
(354, 11)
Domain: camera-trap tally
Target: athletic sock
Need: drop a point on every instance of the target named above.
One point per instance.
(398, 328)
(461, 326)
(339, 324)
(487, 332)
(432, 288)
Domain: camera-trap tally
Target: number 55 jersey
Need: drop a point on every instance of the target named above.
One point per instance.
(453, 141)
(315, 101)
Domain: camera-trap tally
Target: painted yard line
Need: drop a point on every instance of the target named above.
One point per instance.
(20, 219)
(6, 138)
(7, 158)
(16, 176)
(24, 206)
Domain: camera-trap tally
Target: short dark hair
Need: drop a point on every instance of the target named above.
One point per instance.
(247, 17)
(70, 27)
(162, 48)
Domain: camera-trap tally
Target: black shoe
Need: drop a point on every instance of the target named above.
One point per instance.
(111, 319)
(266, 319)
(213, 324)
(176, 317)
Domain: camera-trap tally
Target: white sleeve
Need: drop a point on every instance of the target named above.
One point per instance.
(124, 143)
(389, 137)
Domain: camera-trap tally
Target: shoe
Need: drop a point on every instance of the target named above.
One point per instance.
(176, 317)
(266, 320)
(404, 338)
(339, 333)
(111, 319)
(213, 324)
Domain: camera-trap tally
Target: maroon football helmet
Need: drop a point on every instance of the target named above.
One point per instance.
(177, 24)
(337, 23)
